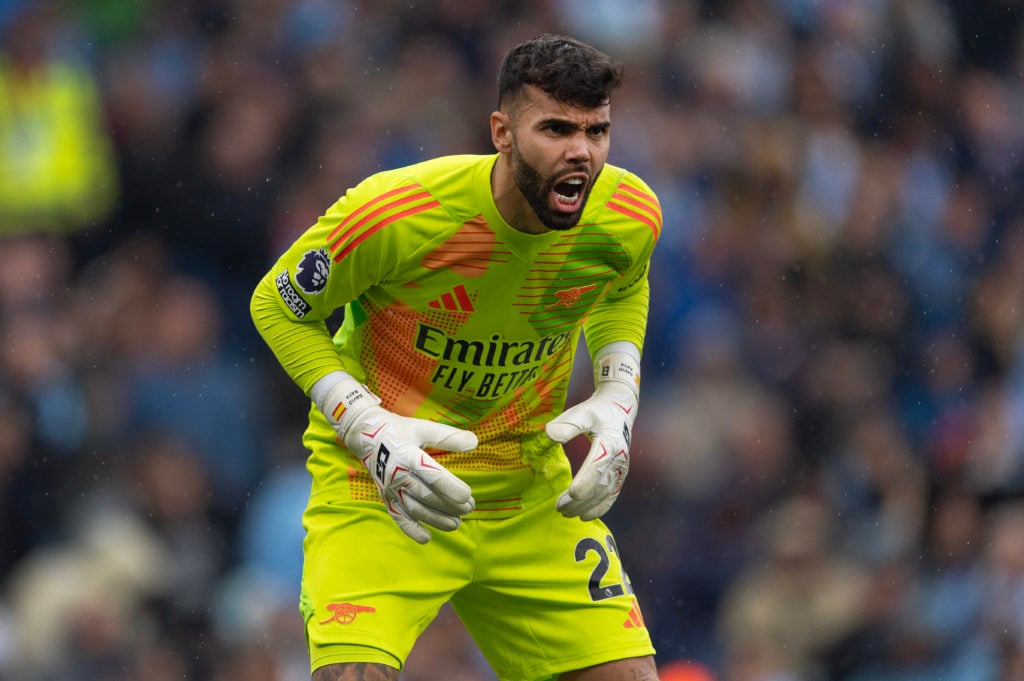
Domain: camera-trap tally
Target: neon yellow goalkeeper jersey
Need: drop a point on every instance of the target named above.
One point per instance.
(452, 315)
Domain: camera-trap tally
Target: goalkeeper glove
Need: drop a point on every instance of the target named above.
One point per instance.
(415, 488)
(607, 419)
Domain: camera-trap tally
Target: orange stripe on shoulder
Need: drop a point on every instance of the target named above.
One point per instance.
(369, 220)
(351, 217)
(638, 211)
(639, 205)
(365, 230)
(375, 214)
(644, 196)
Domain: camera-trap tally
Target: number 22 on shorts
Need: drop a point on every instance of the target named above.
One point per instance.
(599, 590)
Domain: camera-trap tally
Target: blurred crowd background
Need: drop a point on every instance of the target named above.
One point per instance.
(828, 464)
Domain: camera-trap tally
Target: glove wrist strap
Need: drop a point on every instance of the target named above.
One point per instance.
(341, 398)
(618, 367)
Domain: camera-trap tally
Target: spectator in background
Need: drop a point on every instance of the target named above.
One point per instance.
(925, 622)
(57, 167)
(43, 389)
(78, 608)
(807, 596)
(180, 380)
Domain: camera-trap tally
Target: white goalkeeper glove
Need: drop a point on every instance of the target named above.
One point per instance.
(607, 419)
(415, 488)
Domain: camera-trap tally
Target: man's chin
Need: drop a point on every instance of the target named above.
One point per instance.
(561, 221)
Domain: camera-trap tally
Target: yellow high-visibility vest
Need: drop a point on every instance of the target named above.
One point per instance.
(57, 166)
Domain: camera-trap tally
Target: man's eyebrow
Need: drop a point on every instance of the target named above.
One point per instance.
(554, 120)
(565, 122)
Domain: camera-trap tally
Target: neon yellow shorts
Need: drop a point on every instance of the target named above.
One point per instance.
(539, 593)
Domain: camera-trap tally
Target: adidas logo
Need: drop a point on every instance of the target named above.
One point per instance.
(456, 300)
(635, 619)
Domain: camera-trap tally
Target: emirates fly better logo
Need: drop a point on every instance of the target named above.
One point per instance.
(485, 368)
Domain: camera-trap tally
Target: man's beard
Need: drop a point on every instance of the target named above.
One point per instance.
(537, 190)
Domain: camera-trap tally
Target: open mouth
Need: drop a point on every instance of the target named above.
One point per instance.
(568, 193)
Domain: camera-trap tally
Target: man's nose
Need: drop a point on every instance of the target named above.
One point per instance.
(577, 149)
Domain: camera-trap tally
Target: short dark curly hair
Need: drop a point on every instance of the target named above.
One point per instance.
(569, 70)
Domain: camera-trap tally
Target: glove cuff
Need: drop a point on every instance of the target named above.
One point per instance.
(341, 399)
(618, 367)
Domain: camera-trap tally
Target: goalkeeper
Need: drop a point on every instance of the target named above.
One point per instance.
(438, 409)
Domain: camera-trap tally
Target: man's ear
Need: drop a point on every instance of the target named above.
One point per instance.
(501, 132)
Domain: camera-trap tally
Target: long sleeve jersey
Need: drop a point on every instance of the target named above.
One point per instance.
(451, 314)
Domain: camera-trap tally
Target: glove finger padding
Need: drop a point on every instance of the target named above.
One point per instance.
(420, 512)
(418, 533)
(597, 484)
(415, 488)
(434, 485)
(607, 419)
(572, 423)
